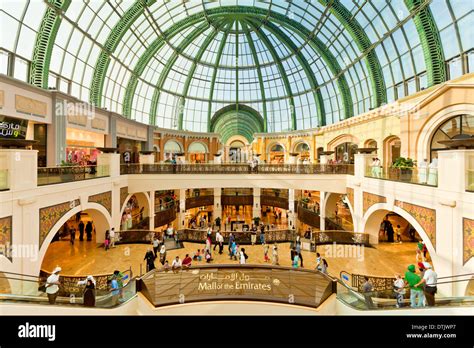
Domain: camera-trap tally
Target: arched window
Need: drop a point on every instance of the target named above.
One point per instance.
(456, 127)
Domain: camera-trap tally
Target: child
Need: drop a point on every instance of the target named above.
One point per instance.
(265, 253)
(399, 288)
(197, 256)
(208, 256)
(296, 261)
(399, 234)
(107, 240)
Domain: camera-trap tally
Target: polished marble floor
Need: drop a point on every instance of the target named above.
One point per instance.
(85, 258)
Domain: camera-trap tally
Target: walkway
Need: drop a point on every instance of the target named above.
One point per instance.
(88, 258)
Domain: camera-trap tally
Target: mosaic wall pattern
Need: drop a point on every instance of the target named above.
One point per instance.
(350, 196)
(426, 217)
(104, 199)
(48, 217)
(5, 235)
(123, 195)
(468, 240)
(369, 199)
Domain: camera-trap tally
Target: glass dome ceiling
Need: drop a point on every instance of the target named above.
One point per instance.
(175, 64)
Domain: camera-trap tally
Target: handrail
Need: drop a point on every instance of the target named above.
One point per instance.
(239, 168)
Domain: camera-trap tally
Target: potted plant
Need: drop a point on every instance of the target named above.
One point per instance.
(403, 169)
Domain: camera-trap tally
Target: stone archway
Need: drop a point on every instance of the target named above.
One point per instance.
(143, 200)
(99, 215)
(374, 216)
(330, 204)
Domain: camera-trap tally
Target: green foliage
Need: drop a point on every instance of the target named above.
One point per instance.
(403, 163)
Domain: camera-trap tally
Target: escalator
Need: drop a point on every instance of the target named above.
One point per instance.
(18, 288)
(384, 299)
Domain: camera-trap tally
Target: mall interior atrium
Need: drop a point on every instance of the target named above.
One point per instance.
(237, 156)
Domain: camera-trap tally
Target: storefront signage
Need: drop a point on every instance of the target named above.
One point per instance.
(13, 128)
(234, 281)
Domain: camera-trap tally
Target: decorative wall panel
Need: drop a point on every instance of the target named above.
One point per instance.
(123, 195)
(30, 106)
(369, 199)
(49, 216)
(6, 236)
(468, 239)
(350, 196)
(104, 199)
(426, 217)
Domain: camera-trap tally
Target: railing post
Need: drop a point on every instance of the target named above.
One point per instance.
(110, 162)
(22, 168)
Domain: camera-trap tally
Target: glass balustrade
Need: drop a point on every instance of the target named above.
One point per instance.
(58, 175)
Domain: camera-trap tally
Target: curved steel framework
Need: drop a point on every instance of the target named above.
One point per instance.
(299, 64)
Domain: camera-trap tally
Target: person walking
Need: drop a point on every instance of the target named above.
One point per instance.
(262, 234)
(416, 291)
(163, 254)
(112, 237)
(156, 245)
(430, 278)
(398, 232)
(89, 231)
(72, 236)
(399, 288)
(52, 285)
(150, 260)
(324, 266)
(81, 227)
(298, 250)
(318, 262)
(243, 257)
(231, 239)
(107, 240)
(221, 243)
(265, 253)
(275, 255)
(253, 235)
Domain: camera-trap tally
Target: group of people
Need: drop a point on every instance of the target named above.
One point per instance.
(387, 229)
(110, 239)
(115, 283)
(428, 173)
(83, 228)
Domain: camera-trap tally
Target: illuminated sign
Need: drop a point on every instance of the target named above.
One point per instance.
(13, 128)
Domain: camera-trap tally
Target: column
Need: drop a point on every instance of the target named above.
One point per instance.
(152, 211)
(257, 208)
(292, 215)
(360, 164)
(182, 209)
(108, 162)
(217, 209)
(111, 137)
(56, 140)
(322, 210)
(150, 139)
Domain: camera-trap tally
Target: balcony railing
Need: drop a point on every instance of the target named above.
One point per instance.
(58, 175)
(165, 168)
(4, 180)
(421, 176)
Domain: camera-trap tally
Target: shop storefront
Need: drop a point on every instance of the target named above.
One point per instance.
(302, 149)
(277, 154)
(15, 128)
(130, 150)
(81, 146)
(197, 153)
(172, 148)
(345, 152)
